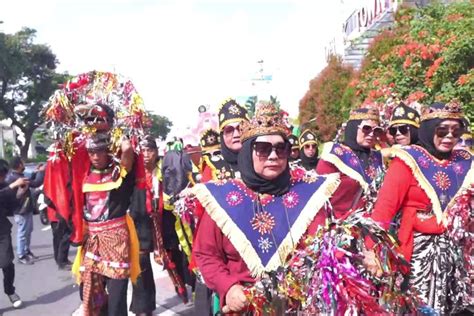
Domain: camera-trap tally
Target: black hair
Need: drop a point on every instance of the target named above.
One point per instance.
(16, 162)
(3, 167)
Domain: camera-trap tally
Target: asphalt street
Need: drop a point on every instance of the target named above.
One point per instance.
(47, 291)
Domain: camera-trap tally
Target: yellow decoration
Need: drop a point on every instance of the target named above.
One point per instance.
(116, 140)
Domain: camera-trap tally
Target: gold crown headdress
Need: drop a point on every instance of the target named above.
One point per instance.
(268, 119)
(451, 110)
(364, 114)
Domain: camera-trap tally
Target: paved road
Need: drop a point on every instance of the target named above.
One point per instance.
(47, 291)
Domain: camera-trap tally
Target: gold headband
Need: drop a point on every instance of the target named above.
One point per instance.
(371, 114)
(451, 110)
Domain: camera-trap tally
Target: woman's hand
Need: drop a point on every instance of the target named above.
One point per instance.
(372, 263)
(20, 182)
(235, 299)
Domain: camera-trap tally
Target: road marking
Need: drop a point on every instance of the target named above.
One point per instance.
(46, 228)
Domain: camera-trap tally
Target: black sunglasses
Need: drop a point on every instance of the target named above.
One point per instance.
(403, 129)
(264, 149)
(367, 129)
(443, 131)
(229, 129)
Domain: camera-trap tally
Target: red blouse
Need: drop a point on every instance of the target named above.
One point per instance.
(219, 262)
(400, 192)
(345, 195)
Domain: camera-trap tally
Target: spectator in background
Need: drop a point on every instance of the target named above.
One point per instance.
(7, 199)
(23, 207)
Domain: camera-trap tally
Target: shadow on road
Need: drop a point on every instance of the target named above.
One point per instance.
(52, 297)
(33, 247)
(44, 257)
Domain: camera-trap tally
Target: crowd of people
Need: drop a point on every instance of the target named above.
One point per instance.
(230, 224)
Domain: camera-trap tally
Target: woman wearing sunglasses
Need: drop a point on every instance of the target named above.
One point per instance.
(308, 149)
(354, 159)
(295, 149)
(224, 165)
(219, 166)
(430, 184)
(404, 124)
(250, 226)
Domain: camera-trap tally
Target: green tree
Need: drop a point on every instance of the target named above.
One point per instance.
(160, 125)
(27, 79)
(250, 104)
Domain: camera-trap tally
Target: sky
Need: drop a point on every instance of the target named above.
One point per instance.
(183, 53)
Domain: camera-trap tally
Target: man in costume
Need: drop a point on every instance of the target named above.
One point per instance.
(250, 226)
(431, 184)
(308, 149)
(110, 240)
(358, 164)
(142, 208)
(93, 173)
(7, 201)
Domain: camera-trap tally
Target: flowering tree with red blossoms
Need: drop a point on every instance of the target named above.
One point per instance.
(329, 99)
(428, 56)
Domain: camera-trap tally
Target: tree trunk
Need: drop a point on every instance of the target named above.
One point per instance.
(26, 145)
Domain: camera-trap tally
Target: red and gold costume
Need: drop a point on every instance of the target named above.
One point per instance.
(97, 105)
